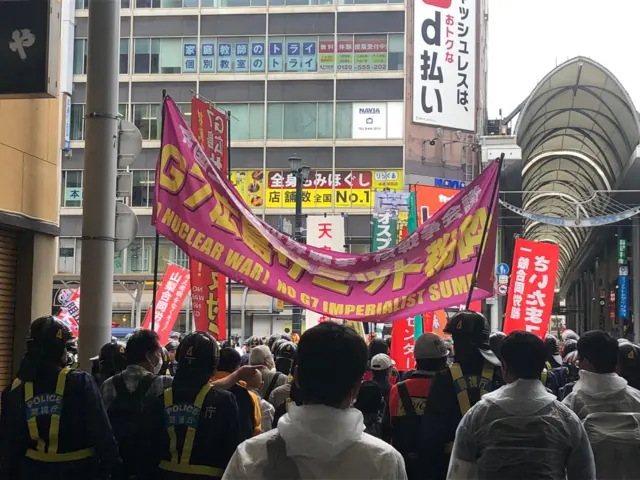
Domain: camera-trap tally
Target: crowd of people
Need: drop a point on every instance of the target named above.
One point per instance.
(476, 406)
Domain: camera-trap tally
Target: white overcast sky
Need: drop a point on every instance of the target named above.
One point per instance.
(528, 38)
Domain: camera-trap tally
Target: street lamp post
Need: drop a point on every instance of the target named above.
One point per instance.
(301, 174)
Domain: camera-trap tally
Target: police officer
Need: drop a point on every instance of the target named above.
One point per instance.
(53, 423)
(194, 427)
(454, 391)
(111, 361)
(284, 357)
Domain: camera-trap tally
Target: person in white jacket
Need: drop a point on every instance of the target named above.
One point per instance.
(324, 437)
(521, 431)
(600, 389)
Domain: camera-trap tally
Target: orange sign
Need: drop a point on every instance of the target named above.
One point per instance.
(431, 199)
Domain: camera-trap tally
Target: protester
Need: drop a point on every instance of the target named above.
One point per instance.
(405, 409)
(250, 417)
(371, 403)
(573, 374)
(382, 367)
(53, 424)
(261, 356)
(281, 394)
(521, 430)
(267, 412)
(111, 361)
(455, 390)
(600, 389)
(377, 346)
(324, 438)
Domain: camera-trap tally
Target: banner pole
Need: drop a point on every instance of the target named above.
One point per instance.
(229, 177)
(156, 253)
(492, 202)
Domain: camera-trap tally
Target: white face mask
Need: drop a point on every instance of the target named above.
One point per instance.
(157, 366)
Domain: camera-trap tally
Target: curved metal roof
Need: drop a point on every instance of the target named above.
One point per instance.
(578, 132)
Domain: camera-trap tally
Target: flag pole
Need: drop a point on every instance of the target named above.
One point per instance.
(228, 329)
(474, 278)
(156, 253)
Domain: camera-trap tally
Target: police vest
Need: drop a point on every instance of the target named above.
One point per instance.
(50, 405)
(185, 416)
(463, 383)
(545, 373)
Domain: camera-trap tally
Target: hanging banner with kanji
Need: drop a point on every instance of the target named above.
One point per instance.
(532, 287)
(200, 210)
(69, 313)
(325, 232)
(402, 343)
(169, 299)
(208, 287)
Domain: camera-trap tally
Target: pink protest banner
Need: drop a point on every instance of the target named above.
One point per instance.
(200, 210)
(69, 313)
(171, 295)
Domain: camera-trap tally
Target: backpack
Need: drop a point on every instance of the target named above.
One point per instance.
(125, 415)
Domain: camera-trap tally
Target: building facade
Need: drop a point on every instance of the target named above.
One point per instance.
(322, 80)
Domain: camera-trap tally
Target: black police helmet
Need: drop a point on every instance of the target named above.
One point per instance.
(287, 350)
(48, 337)
(472, 328)
(495, 342)
(276, 345)
(287, 337)
(552, 347)
(273, 339)
(112, 358)
(198, 351)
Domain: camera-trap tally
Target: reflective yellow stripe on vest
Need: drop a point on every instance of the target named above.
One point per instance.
(182, 463)
(49, 453)
(545, 373)
(463, 395)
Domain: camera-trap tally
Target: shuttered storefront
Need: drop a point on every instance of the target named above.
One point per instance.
(8, 270)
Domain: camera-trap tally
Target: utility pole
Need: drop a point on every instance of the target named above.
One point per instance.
(100, 170)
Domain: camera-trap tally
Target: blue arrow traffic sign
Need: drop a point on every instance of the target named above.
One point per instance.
(502, 269)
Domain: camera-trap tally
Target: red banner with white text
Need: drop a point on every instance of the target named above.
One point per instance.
(532, 287)
(208, 287)
(169, 299)
(402, 343)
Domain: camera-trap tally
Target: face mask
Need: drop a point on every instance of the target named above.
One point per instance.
(157, 366)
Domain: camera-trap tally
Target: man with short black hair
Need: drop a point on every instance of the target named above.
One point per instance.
(600, 389)
(521, 430)
(324, 437)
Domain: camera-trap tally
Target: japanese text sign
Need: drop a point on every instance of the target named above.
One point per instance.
(208, 287)
(444, 56)
(200, 210)
(325, 232)
(169, 299)
(69, 312)
(623, 293)
(403, 344)
(532, 288)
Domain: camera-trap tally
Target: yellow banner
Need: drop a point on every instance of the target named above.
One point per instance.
(353, 188)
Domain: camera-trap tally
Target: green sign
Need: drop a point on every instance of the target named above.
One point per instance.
(385, 232)
(622, 251)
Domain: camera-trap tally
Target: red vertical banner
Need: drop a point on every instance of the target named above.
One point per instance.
(171, 294)
(402, 343)
(532, 287)
(208, 288)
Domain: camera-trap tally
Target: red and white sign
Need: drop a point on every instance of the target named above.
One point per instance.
(169, 300)
(402, 344)
(326, 232)
(532, 287)
(69, 313)
(208, 288)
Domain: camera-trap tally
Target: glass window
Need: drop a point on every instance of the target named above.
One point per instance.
(301, 54)
(124, 55)
(235, 54)
(370, 53)
(190, 55)
(71, 188)
(142, 193)
(190, 3)
(344, 117)
(185, 109)
(123, 110)
(170, 3)
(170, 50)
(141, 55)
(344, 53)
(396, 51)
(82, 4)
(79, 56)
(359, 248)
(125, 4)
(300, 121)
(179, 257)
(118, 266)
(247, 120)
(77, 121)
(326, 54)
(325, 120)
(139, 256)
(67, 255)
(145, 117)
(274, 121)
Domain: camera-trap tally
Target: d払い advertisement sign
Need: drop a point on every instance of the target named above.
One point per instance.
(444, 63)
(532, 287)
(353, 188)
(432, 268)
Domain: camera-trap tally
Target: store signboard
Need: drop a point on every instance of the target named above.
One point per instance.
(369, 121)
